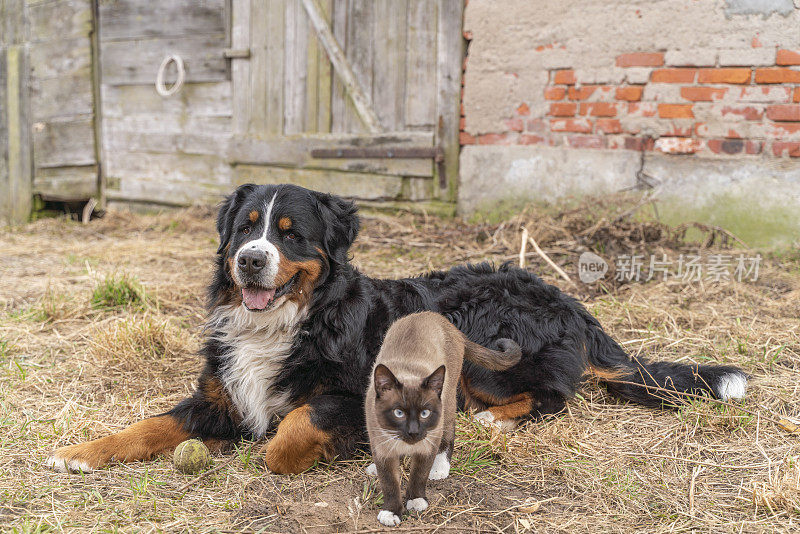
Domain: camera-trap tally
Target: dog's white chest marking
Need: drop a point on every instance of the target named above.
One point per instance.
(259, 343)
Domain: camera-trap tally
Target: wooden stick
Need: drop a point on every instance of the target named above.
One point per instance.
(695, 471)
(550, 262)
(341, 67)
(522, 248)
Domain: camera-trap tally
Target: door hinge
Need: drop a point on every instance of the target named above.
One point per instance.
(236, 53)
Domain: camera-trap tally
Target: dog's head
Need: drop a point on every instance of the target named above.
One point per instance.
(279, 242)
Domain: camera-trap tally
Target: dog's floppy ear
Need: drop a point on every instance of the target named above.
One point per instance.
(227, 213)
(341, 225)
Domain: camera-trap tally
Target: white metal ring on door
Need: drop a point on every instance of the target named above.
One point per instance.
(161, 88)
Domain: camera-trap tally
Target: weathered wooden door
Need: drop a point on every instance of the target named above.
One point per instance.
(357, 97)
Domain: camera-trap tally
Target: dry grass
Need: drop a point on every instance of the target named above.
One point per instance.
(73, 371)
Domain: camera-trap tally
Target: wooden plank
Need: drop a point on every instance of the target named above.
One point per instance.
(448, 99)
(123, 140)
(323, 94)
(134, 19)
(240, 68)
(137, 62)
(57, 21)
(169, 168)
(66, 183)
(196, 100)
(69, 143)
(341, 67)
(353, 185)
(420, 102)
(360, 56)
(296, 151)
(17, 180)
(389, 64)
(12, 22)
(61, 97)
(257, 84)
(295, 68)
(340, 102)
(274, 86)
(62, 57)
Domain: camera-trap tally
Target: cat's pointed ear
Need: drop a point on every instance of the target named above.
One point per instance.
(435, 381)
(384, 380)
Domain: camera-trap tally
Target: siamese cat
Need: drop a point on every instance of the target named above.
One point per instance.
(411, 403)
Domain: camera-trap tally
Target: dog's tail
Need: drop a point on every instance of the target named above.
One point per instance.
(658, 383)
(496, 360)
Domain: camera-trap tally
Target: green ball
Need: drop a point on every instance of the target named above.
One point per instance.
(191, 456)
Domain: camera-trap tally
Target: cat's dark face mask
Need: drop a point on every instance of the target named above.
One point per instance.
(410, 411)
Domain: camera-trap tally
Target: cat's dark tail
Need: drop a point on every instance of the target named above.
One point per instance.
(495, 360)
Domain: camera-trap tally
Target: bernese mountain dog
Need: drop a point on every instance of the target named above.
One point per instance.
(293, 330)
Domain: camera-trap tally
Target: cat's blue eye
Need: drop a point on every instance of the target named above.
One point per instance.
(399, 413)
(425, 414)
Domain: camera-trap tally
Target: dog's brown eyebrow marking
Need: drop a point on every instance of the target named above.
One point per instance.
(253, 216)
(284, 223)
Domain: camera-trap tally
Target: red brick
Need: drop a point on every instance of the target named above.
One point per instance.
(564, 77)
(753, 147)
(750, 113)
(639, 143)
(726, 146)
(784, 113)
(641, 59)
(792, 148)
(494, 139)
(678, 145)
(462, 122)
(583, 93)
(796, 95)
(586, 141)
(673, 75)
(536, 126)
(514, 125)
(599, 109)
(631, 93)
(724, 76)
(788, 57)
(703, 94)
(777, 76)
(644, 109)
(609, 126)
(528, 139)
(466, 139)
(555, 93)
(571, 125)
(782, 130)
(566, 109)
(523, 109)
(675, 111)
(679, 131)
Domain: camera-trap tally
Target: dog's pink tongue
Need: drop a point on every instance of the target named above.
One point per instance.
(257, 299)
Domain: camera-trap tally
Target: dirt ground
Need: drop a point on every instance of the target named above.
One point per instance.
(78, 363)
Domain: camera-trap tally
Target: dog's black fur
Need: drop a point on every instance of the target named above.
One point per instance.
(327, 371)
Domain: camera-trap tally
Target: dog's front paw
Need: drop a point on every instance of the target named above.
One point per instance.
(83, 457)
(371, 470)
(487, 418)
(388, 519)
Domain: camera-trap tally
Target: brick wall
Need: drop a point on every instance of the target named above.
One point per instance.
(711, 102)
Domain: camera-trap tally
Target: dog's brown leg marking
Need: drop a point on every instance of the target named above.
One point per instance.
(140, 441)
(518, 406)
(297, 443)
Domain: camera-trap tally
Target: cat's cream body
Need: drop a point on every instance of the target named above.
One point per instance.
(414, 350)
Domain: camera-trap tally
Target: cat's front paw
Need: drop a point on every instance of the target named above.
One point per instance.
(440, 468)
(371, 470)
(388, 519)
(418, 505)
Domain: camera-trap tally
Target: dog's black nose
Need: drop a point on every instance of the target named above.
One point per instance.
(252, 261)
